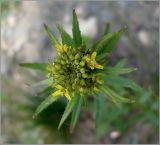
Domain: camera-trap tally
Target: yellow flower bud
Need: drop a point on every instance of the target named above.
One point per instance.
(82, 63)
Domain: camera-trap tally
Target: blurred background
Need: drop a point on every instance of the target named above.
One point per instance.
(23, 39)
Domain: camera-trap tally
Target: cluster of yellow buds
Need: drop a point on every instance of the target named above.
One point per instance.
(61, 92)
(73, 70)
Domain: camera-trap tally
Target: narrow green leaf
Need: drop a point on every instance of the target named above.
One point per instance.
(115, 97)
(37, 66)
(46, 91)
(48, 101)
(118, 97)
(76, 112)
(76, 31)
(123, 82)
(101, 121)
(113, 41)
(101, 57)
(107, 43)
(145, 97)
(66, 38)
(43, 82)
(67, 111)
(111, 97)
(50, 35)
(99, 103)
(101, 44)
(118, 70)
(86, 39)
(121, 63)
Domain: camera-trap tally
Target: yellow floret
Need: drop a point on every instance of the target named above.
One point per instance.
(91, 61)
(61, 92)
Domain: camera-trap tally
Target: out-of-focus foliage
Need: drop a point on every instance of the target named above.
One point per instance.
(144, 109)
(43, 127)
(50, 117)
(7, 6)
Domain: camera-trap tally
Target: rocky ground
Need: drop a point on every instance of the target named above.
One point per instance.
(23, 39)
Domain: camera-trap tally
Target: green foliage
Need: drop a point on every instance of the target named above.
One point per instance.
(107, 29)
(48, 101)
(43, 82)
(101, 44)
(66, 38)
(36, 66)
(86, 39)
(50, 35)
(47, 120)
(118, 70)
(118, 81)
(76, 73)
(75, 30)
(107, 43)
(7, 6)
(99, 103)
(114, 96)
(76, 112)
(68, 110)
(118, 118)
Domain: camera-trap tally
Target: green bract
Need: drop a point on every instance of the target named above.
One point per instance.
(79, 71)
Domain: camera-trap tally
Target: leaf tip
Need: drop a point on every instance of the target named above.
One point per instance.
(45, 26)
(58, 27)
(21, 64)
(123, 29)
(74, 11)
(59, 126)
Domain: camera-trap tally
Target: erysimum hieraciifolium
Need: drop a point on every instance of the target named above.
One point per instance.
(79, 71)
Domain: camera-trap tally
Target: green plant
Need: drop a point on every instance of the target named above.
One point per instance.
(7, 6)
(79, 71)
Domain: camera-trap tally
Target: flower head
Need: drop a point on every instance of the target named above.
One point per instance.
(73, 71)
